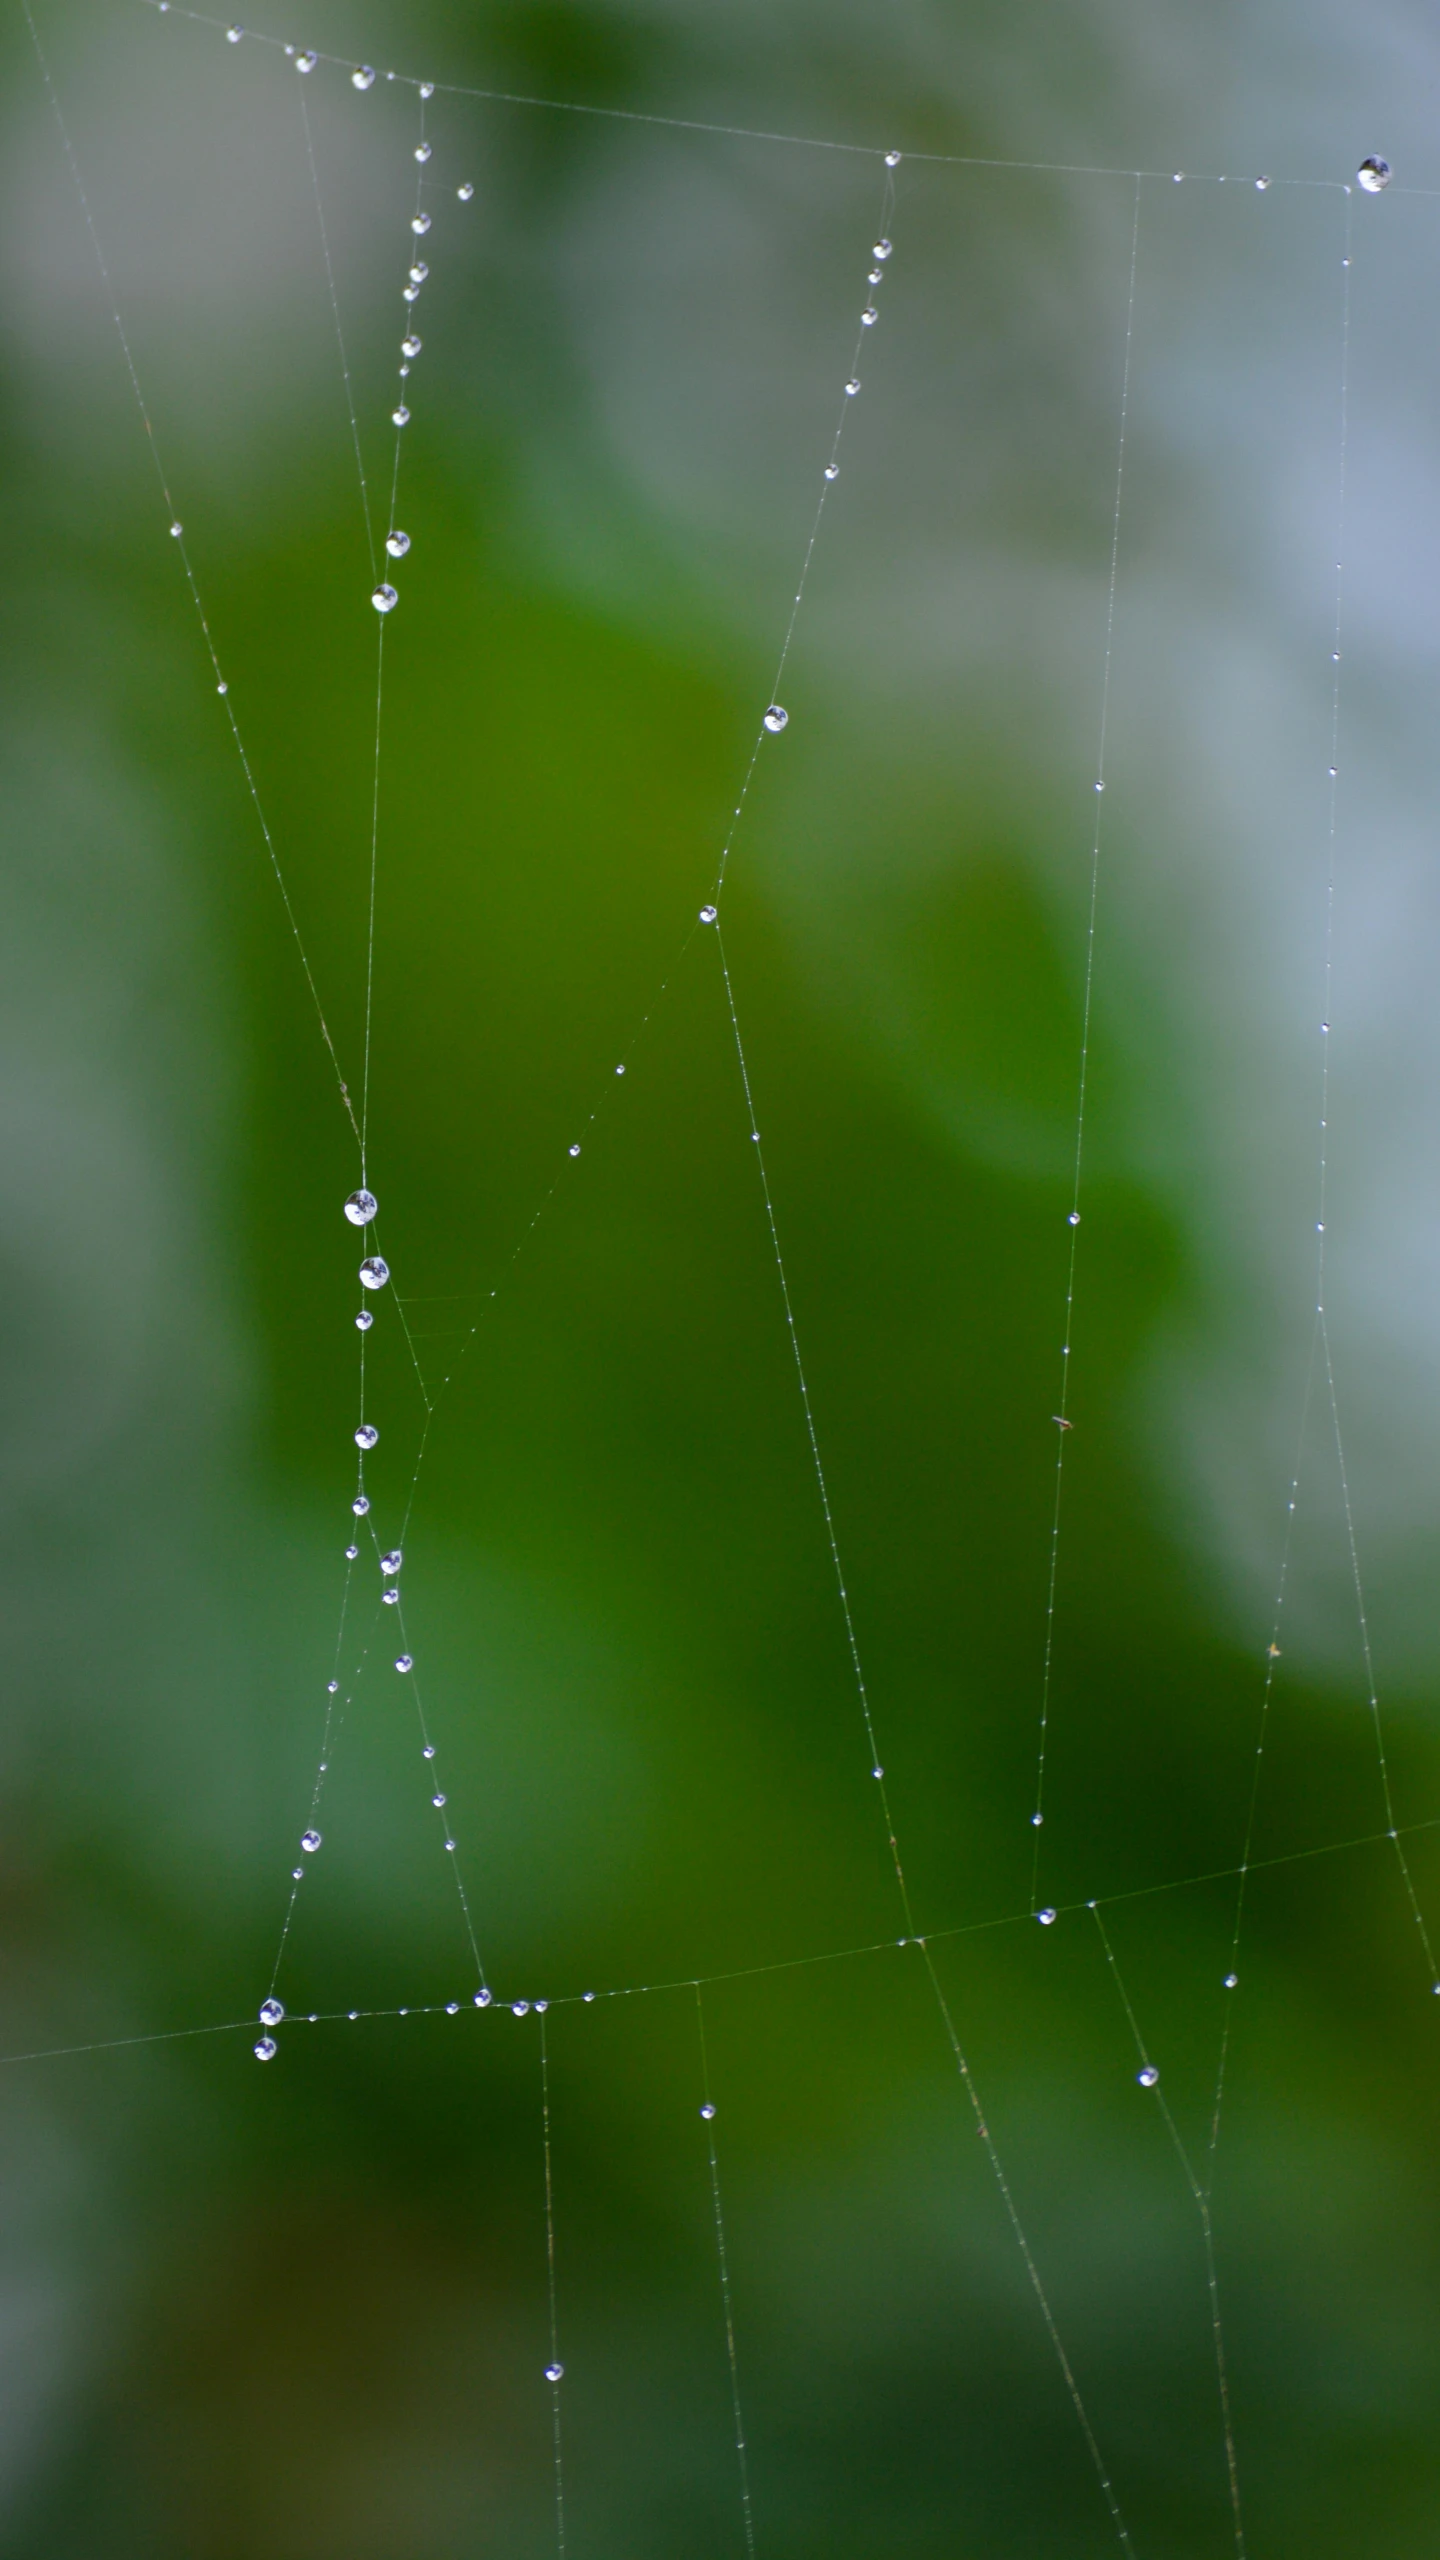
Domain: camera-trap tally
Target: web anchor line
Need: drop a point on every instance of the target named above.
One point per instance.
(554, 2370)
(1062, 1418)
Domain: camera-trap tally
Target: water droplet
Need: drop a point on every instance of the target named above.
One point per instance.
(449, 1844)
(419, 272)
(1374, 175)
(271, 2013)
(869, 318)
(875, 1773)
(465, 193)
(776, 719)
(574, 1151)
(384, 597)
(405, 1662)
(1046, 1918)
(554, 2372)
(306, 61)
(881, 249)
(410, 293)
(374, 1273)
(708, 914)
(427, 88)
(352, 1553)
(411, 346)
(222, 687)
(1074, 1217)
(1261, 185)
(361, 1207)
(427, 1751)
(483, 1999)
(233, 34)
(519, 2008)
(588, 1997)
(175, 531)
(366, 1436)
(852, 386)
(423, 150)
(391, 1564)
(265, 2049)
(1148, 2077)
(875, 276)
(364, 1320)
(452, 2008)
(309, 1842)
(1036, 1819)
(332, 1687)
(892, 159)
(540, 2008)
(298, 1873)
(619, 1071)
(832, 470)
(708, 2112)
(419, 223)
(1231, 1981)
(397, 544)
(391, 1597)
(362, 77)
(437, 1800)
(404, 369)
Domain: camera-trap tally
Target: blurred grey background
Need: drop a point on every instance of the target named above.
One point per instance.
(301, 2310)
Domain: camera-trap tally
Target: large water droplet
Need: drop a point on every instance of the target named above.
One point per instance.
(271, 2013)
(419, 223)
(519, 2008)
(708, 914)
(405, 1662)
(892, 159)
(419, 272)
(360, 1208)
(852, 386)
(265, 2049)
(483, 1999)
(310, 1842)
(360, 1505)
(554, 2373)
(233, 34)
(869, 318)
(465, 193)
(882, 249)
(366, 1436)
(362, 77)
(1046, 1918)
(776, 718)
(391, 1564)
(384, 597)
(410, 346)
(306, 61)
(401, 416)
(397, 544)
(1374, 175)
(1148, 2077)
(374, 1272)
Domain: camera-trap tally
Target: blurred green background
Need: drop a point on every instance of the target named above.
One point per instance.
(301, 2311)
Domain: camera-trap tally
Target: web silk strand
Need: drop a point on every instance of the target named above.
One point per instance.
(727, 2306)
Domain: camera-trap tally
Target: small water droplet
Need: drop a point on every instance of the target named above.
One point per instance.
(574, 1151)
(352, 1553)
(1261, 185)
(410, 346)
(265, 2049)
(271, 2012)
(364, 1320)
(540, 2008)
(876, 276)
(554, 2372)
(306, 61)
(384, 597)
(332, 1688)
(397, 544)
(588, 1996)
(776, 719)
(233, 34)
(832, 470)
(176, 530)
(405, 1662)
(427, 88)
(892, 159)
(1074, 1218)
(452, 2008)
(1036, 1820)
(410, 293)
(1046, 1918)
(852, 386)
(869, 318)
(876, 1772)
(881, 249)
(222, 687)
(708, 2112)
(427, 1751)
(1373, 175)
(391, 1598)
(437, 1800)
(449, 1844)
(419, 272)
(362, 77)
(619, 1071)
(1231, 1981)
(310, 1842)
(366, 1436)
(483, 1999)
(423, 150)
(299, 1874)
(708, 914)
(419, 223)
(374, 1272)
(401, 417)
(1148, 2077)
(519, 2008)
(391, 1564)
(361, 1207)
(465, 193)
